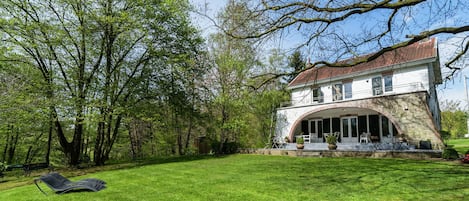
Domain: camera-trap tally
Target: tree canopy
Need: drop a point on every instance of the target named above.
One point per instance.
(97, 59)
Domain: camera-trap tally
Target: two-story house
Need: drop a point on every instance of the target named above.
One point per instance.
(390, 97)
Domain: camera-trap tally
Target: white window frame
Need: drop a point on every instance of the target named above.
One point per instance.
(383, 89)
(388, 88)
(345, 94)
(319, 98)
(377, 91)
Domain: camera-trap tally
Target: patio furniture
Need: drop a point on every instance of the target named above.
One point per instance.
(307, 138)
(59, 184)
(365, 137)
(278, 143)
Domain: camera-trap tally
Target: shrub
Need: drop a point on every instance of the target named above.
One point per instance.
(450, 153)
(300, 140)
(331, 138)
(228, 147)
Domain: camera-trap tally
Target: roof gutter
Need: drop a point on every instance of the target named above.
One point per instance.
(366, 72)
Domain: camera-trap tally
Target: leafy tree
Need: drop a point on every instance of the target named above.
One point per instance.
(233, 61)
(453, 119)
(20, 105)
(95, 58)
(243, 114)
(297, 63)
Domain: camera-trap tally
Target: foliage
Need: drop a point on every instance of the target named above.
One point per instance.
(239, 113)
(209, 179)
(461, 145)
(331, 138)
(453, 119)
(450, 153)
(100, 59)
(297, 63)
(445, 135)
(227, 148)
(300, 140)
(21, 104)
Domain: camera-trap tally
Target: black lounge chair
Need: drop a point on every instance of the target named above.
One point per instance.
(60, 184)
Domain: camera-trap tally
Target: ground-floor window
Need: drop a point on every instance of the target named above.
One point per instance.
(350, 128)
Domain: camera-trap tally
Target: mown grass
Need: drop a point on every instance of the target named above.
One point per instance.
(461, 145)
(254, 177)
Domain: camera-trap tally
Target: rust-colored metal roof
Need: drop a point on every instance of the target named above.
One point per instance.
(415, 52)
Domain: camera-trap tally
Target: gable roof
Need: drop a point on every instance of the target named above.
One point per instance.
(418, 51)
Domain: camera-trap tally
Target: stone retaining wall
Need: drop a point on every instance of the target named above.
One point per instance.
(412, 154)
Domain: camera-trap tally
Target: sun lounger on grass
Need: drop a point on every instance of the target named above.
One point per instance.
(59, 184)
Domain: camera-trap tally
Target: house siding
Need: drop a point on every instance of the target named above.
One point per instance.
(405, 80)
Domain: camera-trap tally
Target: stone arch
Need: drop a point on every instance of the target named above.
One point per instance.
(388, 115)
(409, 113)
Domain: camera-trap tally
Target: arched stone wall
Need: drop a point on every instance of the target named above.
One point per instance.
(409, 113)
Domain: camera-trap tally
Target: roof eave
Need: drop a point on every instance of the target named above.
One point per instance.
(433, 59)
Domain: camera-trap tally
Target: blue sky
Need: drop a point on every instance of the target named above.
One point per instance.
(450, 90)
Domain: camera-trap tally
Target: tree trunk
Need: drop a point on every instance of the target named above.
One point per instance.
(107, 135)
(70, 149)
(135, 136)
(98, 146)
(12, 147)
(223, 129)
(7, 142)
(49, 139)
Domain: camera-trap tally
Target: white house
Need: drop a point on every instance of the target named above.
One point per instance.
(390, 97)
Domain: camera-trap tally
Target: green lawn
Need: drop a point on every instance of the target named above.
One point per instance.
(461, 145)
(257, 177)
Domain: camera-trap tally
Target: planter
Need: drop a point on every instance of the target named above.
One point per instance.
(300, 146)
(332, 146)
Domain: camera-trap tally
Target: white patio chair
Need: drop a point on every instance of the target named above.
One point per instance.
(307, 138)
(278, 143)
(365, 137)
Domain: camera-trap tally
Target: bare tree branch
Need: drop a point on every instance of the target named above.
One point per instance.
(322, 21)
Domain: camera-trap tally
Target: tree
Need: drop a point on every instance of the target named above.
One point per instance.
(330, 28)
(453, 119)
(95, 58)
(20, 105)
(297, 64)
(234, 60)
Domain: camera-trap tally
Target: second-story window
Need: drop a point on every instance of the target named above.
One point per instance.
(377, 86)
(387, 83)
(381, 84)
(337, 92)
(317, 95)
(348, 90)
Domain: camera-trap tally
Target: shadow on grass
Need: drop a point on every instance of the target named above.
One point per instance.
(12, 181)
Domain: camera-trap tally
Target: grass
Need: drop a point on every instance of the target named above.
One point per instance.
(255, 177)
(461, 145)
